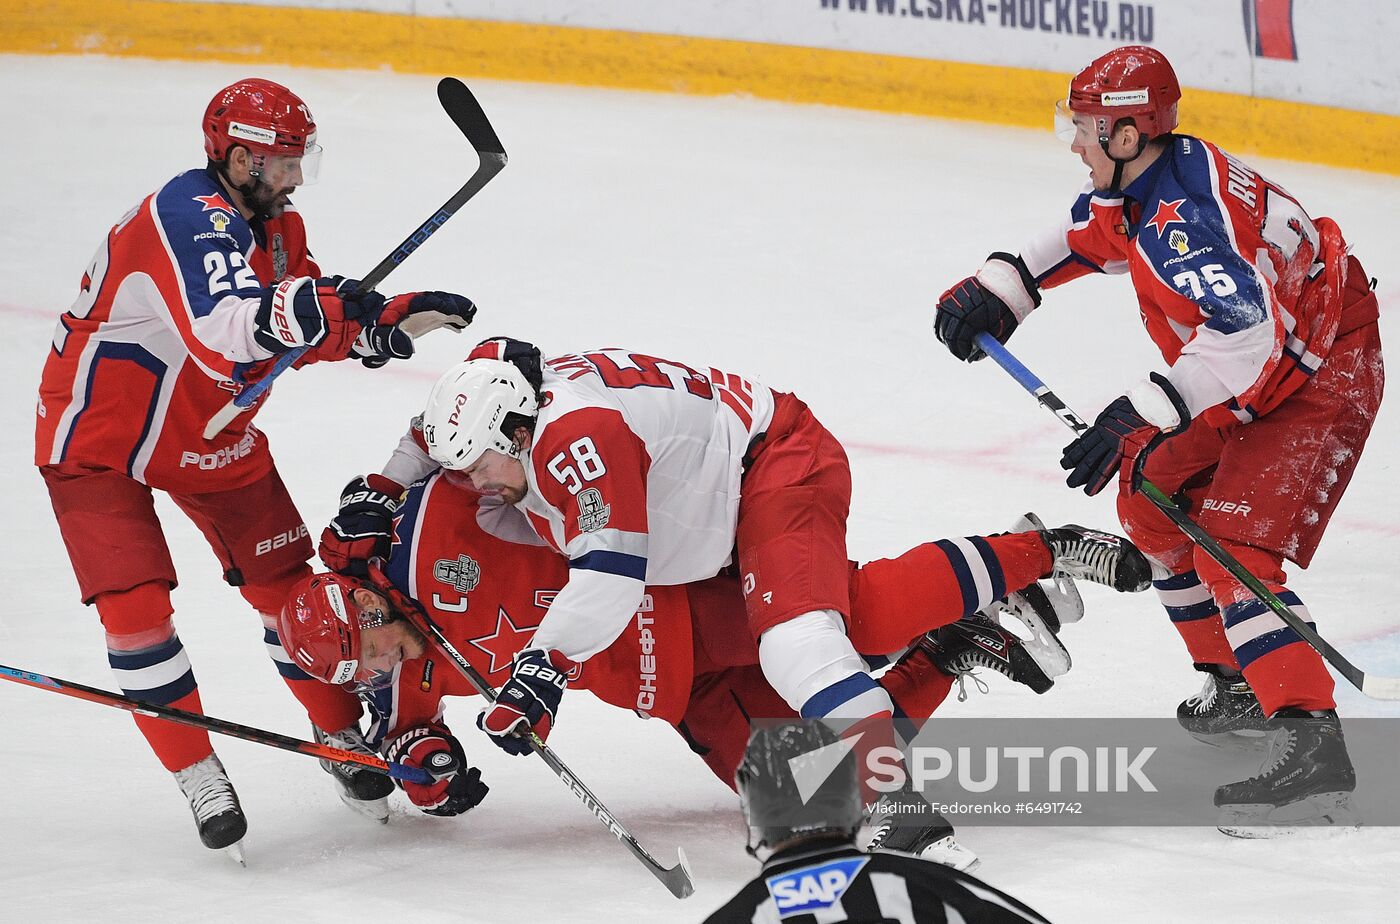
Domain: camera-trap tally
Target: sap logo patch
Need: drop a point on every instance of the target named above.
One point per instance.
(813, 888)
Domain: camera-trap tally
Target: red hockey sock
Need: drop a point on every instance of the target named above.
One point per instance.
(150, 664)
(1196, 618)
(895, 600)
(916, 685)
(330, 707)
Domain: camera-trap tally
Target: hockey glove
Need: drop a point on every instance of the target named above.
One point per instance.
(457, 310)
(432, 747)
(1123, 436)
(379, 343)
(319, 313)
(523, 355)
(362, 528)
(528, 702)
(994, 301)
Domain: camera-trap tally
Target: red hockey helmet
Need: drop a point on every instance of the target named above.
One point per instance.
(320, 628)
(264, 117)
(1133, 81)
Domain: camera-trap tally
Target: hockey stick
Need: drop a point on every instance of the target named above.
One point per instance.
(464, 110)
(1373, 686)
(247, 733)
(676, 879)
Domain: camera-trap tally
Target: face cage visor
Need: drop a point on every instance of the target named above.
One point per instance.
(281, 171)
(365, 679)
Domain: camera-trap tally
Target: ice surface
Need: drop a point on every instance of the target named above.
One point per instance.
(802, 244)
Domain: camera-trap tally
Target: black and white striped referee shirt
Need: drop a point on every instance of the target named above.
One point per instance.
(830, 885)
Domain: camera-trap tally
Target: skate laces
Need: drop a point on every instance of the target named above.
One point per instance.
(1203, 700)
(1087, 556)
(1280, 747)
(347, 739)
(966, 674)
(207, 787)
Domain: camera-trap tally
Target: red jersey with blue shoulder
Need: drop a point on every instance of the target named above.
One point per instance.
(160, 338)
(479, 571)
(1239, 288)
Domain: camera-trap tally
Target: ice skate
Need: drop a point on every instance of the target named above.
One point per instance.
(364, 791)
(1306, 781)
(1034, 656)
(215, 806)
(1225, 713)
(906, 822)
(1093, 555)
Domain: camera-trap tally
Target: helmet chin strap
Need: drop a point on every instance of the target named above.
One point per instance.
(1115, 186)
(247, 190)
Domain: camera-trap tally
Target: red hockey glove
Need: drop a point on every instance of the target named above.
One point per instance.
(362, 528)
(528, 702)
(1123, 436)
(433, 748)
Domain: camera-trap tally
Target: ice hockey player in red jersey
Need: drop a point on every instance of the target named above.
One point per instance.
(1269, 330)
(805, 836)
(474, 566)
(189, 297)
(644, 471)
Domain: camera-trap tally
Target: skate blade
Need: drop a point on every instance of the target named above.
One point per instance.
(1322, 813)
(373, 809)
(948, 852)
(234, 852)
(1239, 741)
(1044, 647)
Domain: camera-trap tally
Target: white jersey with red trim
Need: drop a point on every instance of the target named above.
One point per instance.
(1239, 288)
(633, 475)
(160, 337)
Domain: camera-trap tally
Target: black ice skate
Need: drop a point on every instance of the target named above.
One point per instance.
(906, 822)
(215, 806)
(982, 640)
(1306, 781)
(1094, 556)
(364, 791)
(1225, 713)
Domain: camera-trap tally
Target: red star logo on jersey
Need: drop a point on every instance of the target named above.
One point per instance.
(213, 202)
(502, 644)
(1167, 213)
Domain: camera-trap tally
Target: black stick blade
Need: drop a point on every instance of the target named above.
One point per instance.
(461, 106)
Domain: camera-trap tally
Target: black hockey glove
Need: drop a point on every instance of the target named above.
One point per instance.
(1124, 435)
(994, 301)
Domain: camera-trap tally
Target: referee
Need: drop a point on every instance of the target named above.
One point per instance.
(813, 873)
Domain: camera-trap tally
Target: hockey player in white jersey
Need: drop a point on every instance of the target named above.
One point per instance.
(642, 470)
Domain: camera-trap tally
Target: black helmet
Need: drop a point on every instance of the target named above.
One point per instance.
(771, 797)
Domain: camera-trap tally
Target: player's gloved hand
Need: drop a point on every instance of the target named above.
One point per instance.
(994, 301)
(433, 748)
(323, 314)
(528, 701)
(362, 528)
(388, 337)
(1123, 436)
(379, 343)
(522, 354)
(457, 310)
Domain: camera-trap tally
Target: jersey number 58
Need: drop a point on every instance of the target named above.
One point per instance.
(585, 463)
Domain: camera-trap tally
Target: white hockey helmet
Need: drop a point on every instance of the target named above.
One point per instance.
(467, 410)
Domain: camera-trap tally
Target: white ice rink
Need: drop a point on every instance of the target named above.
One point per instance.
(805, 245)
